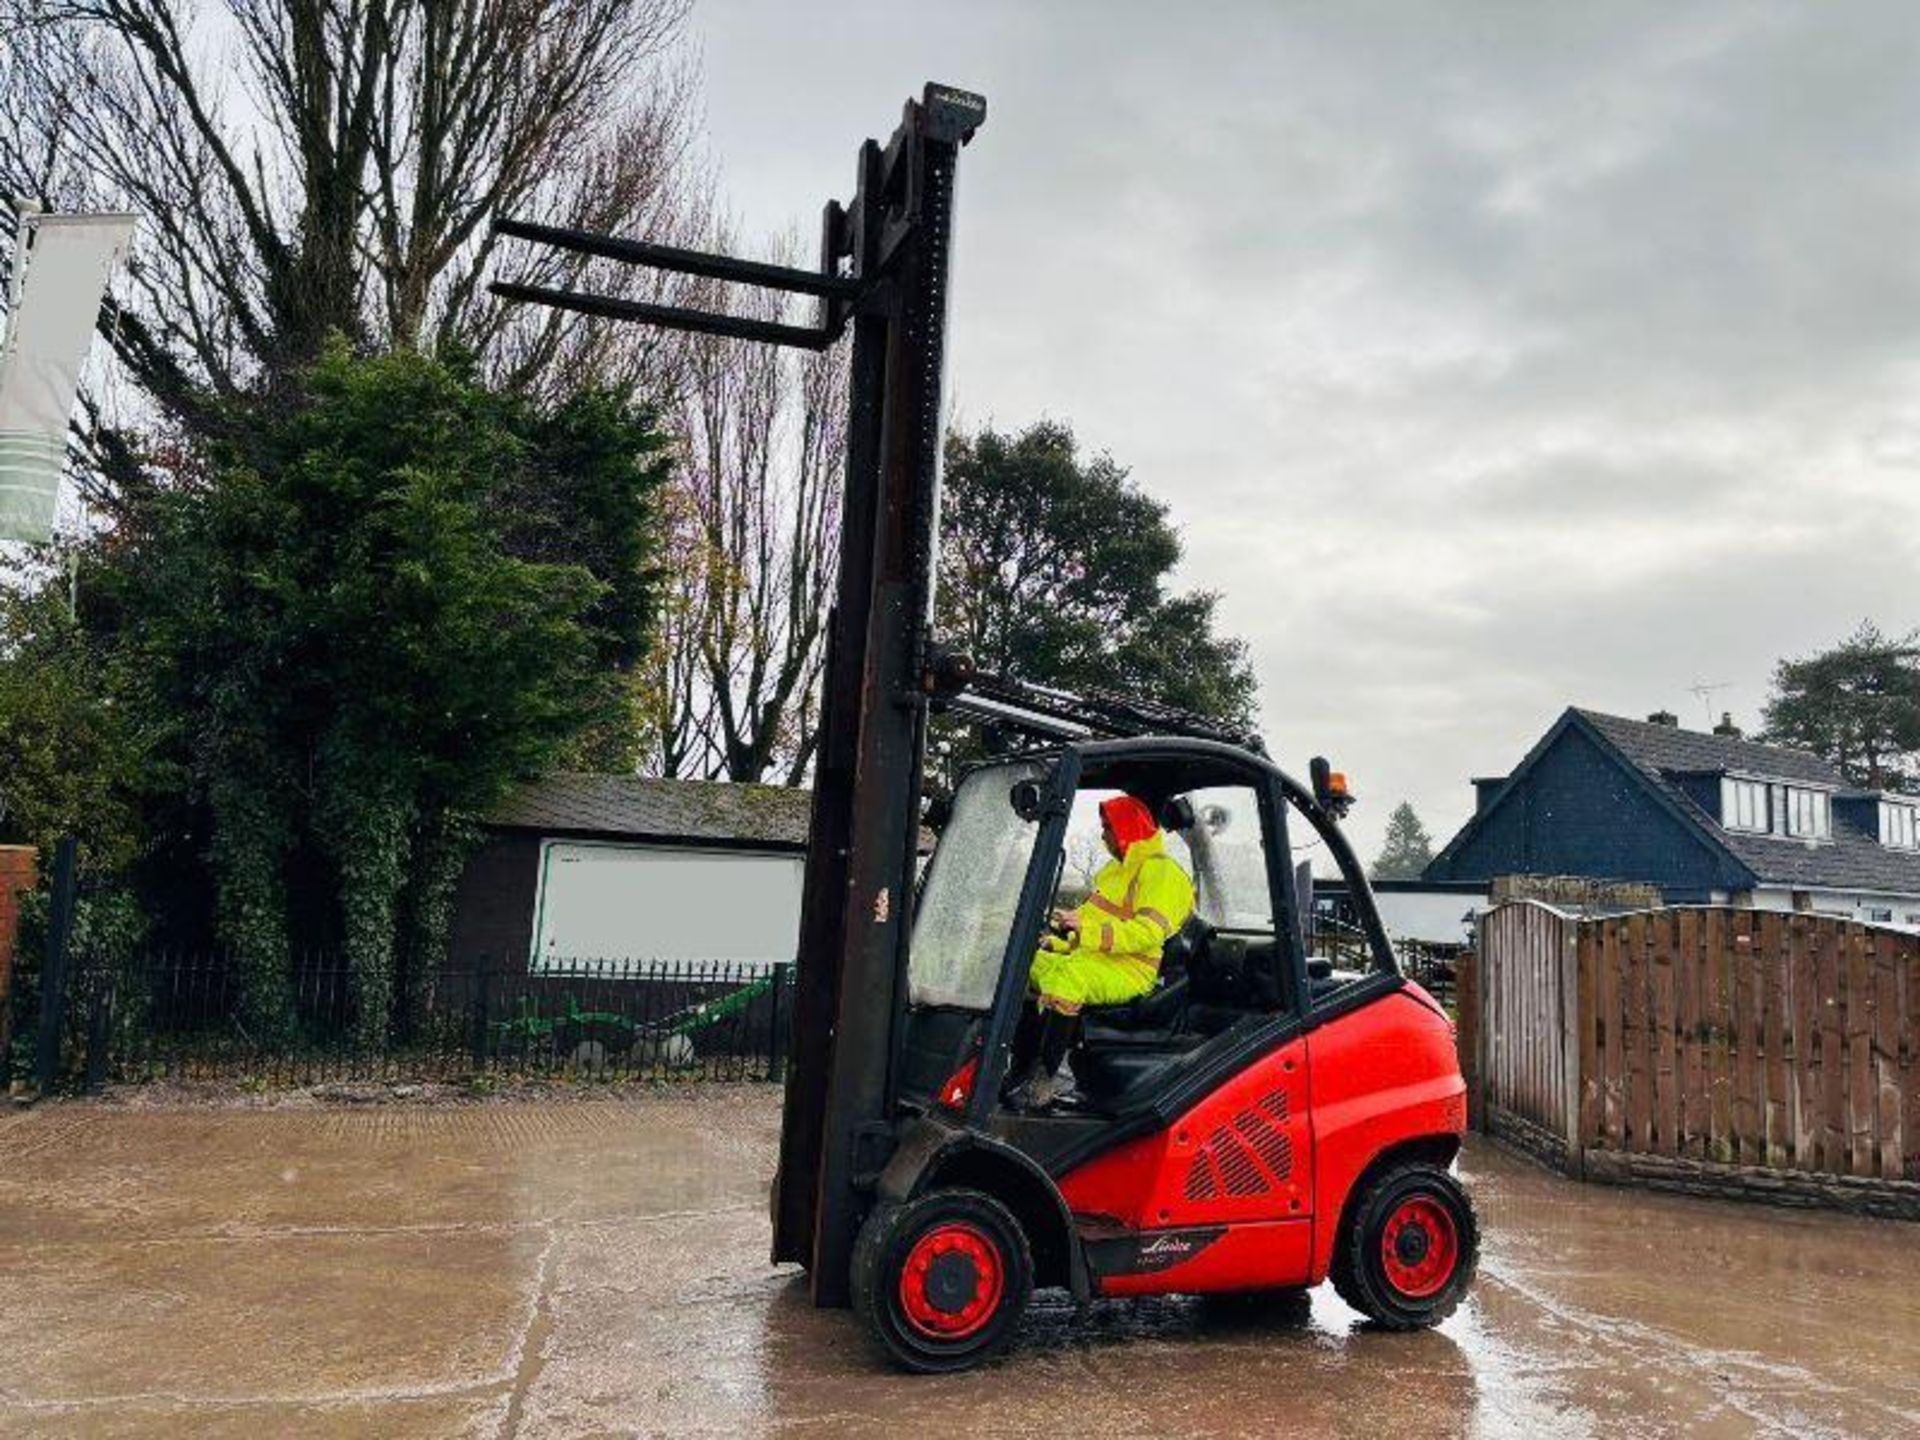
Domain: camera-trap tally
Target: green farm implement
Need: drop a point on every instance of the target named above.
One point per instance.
(592, 1037)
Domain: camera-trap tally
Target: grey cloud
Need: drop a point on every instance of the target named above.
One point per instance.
(1494, 356)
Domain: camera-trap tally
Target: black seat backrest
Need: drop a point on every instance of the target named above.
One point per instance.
(1177, 955)
(1238, 973)
(1261, 978)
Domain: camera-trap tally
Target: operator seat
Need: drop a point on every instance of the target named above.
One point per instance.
(1122, 1045)
(1159, 1009)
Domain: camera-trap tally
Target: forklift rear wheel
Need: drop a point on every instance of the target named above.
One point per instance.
(942, 1281)
(1409, 1248)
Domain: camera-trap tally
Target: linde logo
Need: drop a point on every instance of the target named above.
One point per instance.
(1167, 1247)
(964, 99)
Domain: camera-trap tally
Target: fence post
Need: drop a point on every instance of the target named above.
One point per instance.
(482, 988)
(53, 979)
(1483, 983)
(1570, 1020)
(776, 1060)
(1466, 1030)
(100, 1033)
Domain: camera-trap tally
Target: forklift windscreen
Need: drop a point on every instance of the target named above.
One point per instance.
(972, 889)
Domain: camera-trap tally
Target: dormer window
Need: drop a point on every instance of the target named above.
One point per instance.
(1899, 825)
(1759, 808)
(1809, 817)
(1743, 805)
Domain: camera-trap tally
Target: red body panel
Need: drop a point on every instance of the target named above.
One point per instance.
(1253, 1255)
(1388, 1072)
(1272, 1153)
(1243, 1153)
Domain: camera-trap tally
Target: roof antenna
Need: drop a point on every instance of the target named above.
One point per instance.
(1705, 693)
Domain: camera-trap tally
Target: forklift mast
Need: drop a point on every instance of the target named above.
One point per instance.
(883, 273)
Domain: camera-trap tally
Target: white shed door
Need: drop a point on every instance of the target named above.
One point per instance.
(608, 902)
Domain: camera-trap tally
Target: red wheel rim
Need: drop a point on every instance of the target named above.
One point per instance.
(1420, 1247)
(951, 1283)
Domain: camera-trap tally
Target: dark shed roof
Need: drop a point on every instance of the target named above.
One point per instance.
(708, 811)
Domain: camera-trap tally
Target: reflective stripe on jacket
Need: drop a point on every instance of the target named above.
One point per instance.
(1137, 904)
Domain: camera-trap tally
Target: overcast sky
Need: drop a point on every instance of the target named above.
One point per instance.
(1492, 357)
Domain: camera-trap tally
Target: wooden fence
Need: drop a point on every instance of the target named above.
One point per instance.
(1708, 1049)
(1528, 1083)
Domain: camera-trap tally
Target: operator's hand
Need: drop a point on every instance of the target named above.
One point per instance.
(1067, 922)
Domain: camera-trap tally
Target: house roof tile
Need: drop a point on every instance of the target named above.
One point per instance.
(1667, 747)
(1851, 860)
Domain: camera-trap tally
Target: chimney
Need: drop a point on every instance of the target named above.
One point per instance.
(1664, 717)
(1726, 726)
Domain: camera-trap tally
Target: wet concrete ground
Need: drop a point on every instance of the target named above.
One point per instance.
(600, 1268)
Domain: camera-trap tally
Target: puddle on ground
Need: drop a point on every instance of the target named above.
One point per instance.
(568, 1268)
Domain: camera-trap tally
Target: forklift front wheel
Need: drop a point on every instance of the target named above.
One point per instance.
(942, 1281)
(1409, 1249)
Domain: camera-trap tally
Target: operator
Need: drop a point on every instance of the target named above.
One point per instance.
(1106, 952)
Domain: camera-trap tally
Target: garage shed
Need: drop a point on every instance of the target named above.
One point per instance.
(579, 870)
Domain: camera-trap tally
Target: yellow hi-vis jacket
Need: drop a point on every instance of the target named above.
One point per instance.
(1136, 906)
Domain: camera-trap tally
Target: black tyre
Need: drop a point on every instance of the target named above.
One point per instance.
(1409, 1248)
(942, 1281)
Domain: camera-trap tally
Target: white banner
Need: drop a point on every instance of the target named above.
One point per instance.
(61, 269)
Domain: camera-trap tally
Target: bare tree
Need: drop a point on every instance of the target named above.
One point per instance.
(311, 166)
(676, 708)
(737, 672)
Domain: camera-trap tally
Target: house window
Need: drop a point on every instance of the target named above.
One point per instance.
(1743, 805)
(1900, 826)
(1807, 814)
(1880, 917)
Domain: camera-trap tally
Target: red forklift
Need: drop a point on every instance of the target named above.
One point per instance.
(1261, 1121)
(1266, 1118)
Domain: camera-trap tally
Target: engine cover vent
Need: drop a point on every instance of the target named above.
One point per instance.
(1249, 1155)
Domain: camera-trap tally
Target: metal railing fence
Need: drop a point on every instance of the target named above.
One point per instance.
(174, 1016)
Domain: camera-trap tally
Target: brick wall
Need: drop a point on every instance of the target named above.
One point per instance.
(1575, 892)
(18, 871)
